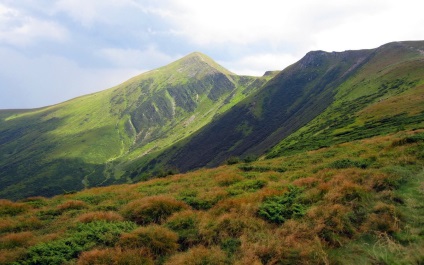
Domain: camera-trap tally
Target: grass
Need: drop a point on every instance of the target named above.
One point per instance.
(325, 207)
(99, 139)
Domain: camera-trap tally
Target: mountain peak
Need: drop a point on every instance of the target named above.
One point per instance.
(199, 61)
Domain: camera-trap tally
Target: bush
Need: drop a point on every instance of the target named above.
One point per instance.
(278, 209)
(347, 163)
(153, 209)
(199, 256)
(13, 240)
(246, 186)
(115, 256)
(159, 240)
(206, 202)
(185, 224)
(11, 208)
(100, 216)
(82, 238)
(224, 180)
(71, 205)
(233, 160)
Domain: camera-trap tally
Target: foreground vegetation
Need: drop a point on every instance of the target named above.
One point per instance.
(360, 202)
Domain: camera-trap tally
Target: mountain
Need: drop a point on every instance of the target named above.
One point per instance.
(324, 98)
(193, 113)
(83, 142)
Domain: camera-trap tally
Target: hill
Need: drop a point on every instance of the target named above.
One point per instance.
(324, 98)
(193, 113)
(83, 142)
(359, 202)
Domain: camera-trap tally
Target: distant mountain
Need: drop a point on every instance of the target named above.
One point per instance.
(194, 113)
(87, 141)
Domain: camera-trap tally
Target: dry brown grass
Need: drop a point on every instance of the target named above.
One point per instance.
(115, 256)
(10, 208)
(12, 240)
(198, 256)
(157, 239)
(154, 209)
(71, 205)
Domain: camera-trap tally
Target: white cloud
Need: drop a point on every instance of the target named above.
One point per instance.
(256, 63)
(307, 23)
(18, 28)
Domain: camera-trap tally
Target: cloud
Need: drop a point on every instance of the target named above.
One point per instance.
(255, 64)
(20, 29)
(300, 23)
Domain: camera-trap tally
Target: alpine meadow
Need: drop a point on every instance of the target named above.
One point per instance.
(319, 163)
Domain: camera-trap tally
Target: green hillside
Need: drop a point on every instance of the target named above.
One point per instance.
(385, 95)
(193, 113)
(360, 202)
(82, 142)
(324, 98)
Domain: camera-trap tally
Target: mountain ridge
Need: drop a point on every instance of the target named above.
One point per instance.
(194, 113)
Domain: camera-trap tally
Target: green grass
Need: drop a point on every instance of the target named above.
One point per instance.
(325, 207)
(99, 139)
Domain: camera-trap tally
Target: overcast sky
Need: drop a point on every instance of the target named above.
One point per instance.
(54, 50)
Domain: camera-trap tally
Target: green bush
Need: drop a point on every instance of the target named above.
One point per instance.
(185, 224)
(246, 186)
(83, 237)
(159, 240)
(278, 209)
(233, 160)
(230, 245)
(347, 163)
(190, 197)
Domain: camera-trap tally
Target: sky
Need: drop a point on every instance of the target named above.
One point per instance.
(55, 50)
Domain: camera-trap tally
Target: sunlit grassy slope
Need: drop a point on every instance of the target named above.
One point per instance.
(385, 95)
(193, 113)
(322, 99)
(83, 142)
(360, 202)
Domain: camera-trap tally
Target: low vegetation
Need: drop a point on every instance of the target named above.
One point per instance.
(359, 202)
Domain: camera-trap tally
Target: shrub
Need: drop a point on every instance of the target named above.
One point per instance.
(159, 240)
(246, 186)
(153, 209)
(186, 225)
(347, 163)
(71, 205)
(36, 202)
(227, 179)
(230, 245)
(409, 140)
(116, 256)
(200, 203)
(82, 238)
(278, 209)
(384, 218)
(199, 256)
(99, 216)
(13, 240)
(233, 160)
(11, 208)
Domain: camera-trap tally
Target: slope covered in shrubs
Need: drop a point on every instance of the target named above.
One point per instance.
(355, 203)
